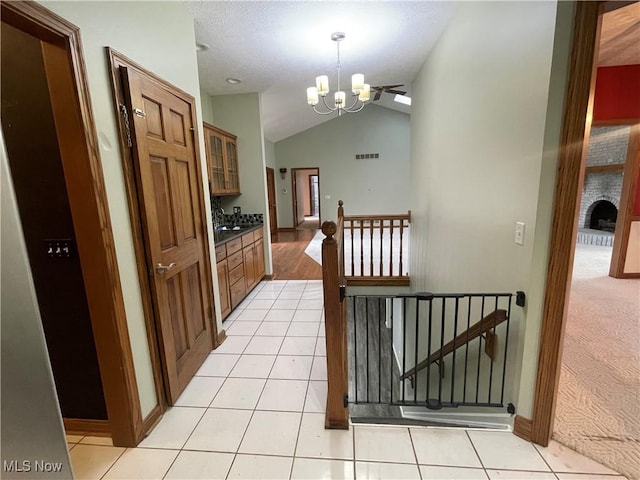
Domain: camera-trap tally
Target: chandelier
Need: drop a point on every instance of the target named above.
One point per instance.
(361, 91)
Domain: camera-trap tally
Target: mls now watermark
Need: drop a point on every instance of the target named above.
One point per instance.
(31, 466)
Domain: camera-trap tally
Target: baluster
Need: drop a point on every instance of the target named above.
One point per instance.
(381, 243)
(371, 248)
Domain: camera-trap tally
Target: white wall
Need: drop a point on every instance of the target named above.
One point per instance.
(160, 37)
(477, 144)
(241, 115)
(366, 186)
(270, 154)
(31, 420)
(207, 108)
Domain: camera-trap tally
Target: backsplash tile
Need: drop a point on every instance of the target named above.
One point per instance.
(243, 219)
(219, 217)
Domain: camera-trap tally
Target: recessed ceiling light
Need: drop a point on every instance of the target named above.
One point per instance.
(202, 47)
(233, 81)
(402, 99)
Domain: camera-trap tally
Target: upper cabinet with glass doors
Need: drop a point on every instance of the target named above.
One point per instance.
(222, 161)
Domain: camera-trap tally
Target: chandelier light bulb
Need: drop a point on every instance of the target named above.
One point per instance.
(340, 98)
(322, 85)
(365, 94)
(312, 96)
(357, 83)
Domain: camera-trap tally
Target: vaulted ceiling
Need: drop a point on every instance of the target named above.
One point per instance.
(279, 47)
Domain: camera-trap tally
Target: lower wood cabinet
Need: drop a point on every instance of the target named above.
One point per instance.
(240, 268)
(223, 283)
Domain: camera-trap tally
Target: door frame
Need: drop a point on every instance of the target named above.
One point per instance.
(78, 143)
(294, 194)
(273, 225)
(627, 197)
(578, 109)
(117, 60)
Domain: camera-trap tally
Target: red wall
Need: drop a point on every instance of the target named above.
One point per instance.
(617, 97)
(617, 93)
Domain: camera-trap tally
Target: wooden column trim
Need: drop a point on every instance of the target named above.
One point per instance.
(569, 182)
(522, 427)
(81, 426)
(625, 213)
(337, 414)
(76, 131)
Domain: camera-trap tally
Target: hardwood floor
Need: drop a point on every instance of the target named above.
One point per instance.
(289, 260)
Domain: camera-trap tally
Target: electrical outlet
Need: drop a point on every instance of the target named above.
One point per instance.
(519, 237)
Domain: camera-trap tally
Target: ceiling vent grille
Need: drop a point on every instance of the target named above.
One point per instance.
(366, 156)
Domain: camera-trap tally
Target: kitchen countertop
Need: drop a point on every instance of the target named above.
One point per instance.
(221, 237)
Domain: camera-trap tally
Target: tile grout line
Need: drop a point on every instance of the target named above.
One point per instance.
(252, 413)
(115, 461)
(484, 469)
(295, 447)
(235, 454)
(415, 454)
(543, 459)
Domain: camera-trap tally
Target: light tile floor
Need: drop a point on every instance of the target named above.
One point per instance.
(255, 410)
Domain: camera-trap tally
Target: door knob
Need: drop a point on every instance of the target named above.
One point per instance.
(160, 268)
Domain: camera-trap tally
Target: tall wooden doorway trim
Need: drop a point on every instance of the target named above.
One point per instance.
(272, 201)
(76, 131)
(294, 194)
(569, 182)
(117, 60)
(627, 198)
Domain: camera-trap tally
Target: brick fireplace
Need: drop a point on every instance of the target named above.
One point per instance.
(601, 191)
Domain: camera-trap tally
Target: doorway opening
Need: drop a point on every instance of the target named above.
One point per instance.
(306, 198)
(585, 355)
(81, 248)
(38, 177)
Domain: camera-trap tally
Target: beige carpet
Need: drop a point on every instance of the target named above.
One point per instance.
(598, 409)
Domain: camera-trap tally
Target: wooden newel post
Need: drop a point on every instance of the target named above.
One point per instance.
(337, 413)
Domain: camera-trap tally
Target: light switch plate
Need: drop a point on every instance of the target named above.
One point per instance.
(519, 237)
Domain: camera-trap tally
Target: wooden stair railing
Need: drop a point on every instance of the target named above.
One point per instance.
(334, 283)
(369, 266)
(483, 327)
(337, 411)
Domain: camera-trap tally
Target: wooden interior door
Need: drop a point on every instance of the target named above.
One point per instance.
(168, 175)
(271, 199)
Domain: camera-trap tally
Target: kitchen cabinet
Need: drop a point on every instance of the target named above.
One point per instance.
(240, 261)
(222, 161)
(223, 285)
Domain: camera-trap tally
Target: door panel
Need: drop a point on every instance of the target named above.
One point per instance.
(160, 173)
(173, 221)
(183, 205)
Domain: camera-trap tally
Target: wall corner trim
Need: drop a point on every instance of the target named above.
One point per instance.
(523, 427)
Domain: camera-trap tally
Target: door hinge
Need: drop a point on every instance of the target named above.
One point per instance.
(343, 292)
(139, 113)
(345, 400)
(127, 127)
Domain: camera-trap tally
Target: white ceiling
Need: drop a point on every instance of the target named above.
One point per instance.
(279, 47)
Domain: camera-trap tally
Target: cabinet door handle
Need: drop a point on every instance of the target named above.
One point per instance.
(160, 268)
